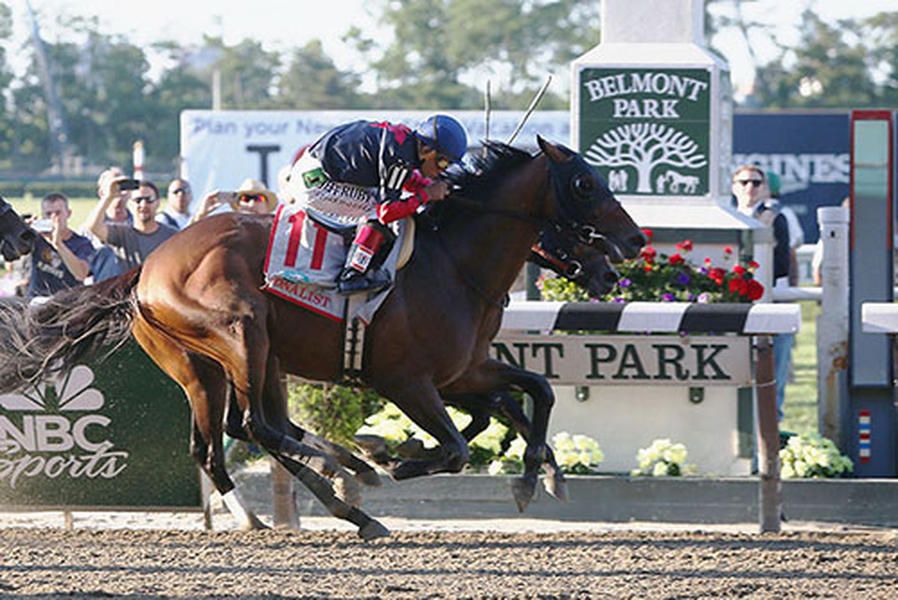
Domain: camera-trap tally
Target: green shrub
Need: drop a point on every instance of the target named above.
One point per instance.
(331, 411)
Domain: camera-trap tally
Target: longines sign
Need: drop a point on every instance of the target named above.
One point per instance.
(630, 360)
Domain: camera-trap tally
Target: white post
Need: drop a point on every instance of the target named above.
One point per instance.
(832, 324)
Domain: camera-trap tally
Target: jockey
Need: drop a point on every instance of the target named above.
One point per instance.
(357, 172)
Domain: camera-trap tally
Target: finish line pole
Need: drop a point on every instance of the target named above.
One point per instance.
(770, 491)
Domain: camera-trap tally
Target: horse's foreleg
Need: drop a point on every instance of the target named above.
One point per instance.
(492, 375)
(554, 482)
(421, 402)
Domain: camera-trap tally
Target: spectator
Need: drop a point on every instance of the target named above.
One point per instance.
(132, 243)
(104, 263)
(254, 197)
(752, 199)
(796, 234)
(61, 257)
(177, 205)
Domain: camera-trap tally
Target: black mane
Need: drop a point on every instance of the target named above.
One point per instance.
(487, 168)
(476, 182)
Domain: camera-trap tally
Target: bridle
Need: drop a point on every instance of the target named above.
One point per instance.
(568, 226)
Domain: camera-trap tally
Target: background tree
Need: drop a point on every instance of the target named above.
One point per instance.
(6, 126)
(313, 81)
(439, 50)
(829, 67)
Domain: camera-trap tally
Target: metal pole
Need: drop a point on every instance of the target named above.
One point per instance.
(282, 493)
(832, 324)
(770, 494)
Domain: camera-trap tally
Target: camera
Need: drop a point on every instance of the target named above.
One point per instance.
(42, 225)
(128, 184)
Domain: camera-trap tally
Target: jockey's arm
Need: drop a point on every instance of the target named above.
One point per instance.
(422, 189)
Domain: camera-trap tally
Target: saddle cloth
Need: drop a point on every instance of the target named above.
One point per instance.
(305, 256)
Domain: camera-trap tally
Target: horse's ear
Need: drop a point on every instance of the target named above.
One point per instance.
(555, 153)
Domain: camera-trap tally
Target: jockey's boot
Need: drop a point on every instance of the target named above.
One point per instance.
(364, 270)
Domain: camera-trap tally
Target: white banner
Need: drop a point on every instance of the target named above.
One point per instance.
(220, 149)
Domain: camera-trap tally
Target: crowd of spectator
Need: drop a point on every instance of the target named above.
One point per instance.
(124, 227)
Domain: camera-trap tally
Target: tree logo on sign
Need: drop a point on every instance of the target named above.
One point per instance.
(643, 147)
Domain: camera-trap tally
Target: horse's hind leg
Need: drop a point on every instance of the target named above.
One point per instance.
(255, 374)
(275, 402)
(204, 384)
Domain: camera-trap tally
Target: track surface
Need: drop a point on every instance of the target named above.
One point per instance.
(441, 564)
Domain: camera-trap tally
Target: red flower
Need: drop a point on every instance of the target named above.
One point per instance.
(647, 268)
(728, 251)
(685, 246)
(649, 253)
(707, 261)
(738, 286)
(739, 270)
(755, 290)
(648, 234)
(717, 274)
(675, 259)
(753, 265)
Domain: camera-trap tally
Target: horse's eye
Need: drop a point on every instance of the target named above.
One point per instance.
(583, 186)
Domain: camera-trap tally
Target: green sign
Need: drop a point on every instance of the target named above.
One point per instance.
(114, 433)
(647, 130)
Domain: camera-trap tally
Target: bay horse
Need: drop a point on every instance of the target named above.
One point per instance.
(581, 263)
(16, 237)
(197, 308)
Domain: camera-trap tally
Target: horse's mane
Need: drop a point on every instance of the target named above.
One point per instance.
(486, 169)
(477, 181)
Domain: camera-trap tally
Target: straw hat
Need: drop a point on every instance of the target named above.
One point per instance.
(254, 186)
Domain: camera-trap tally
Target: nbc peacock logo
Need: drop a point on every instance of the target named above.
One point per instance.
(56, 430)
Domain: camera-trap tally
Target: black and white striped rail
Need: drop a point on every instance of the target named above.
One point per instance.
(879, 317)
(653, 317)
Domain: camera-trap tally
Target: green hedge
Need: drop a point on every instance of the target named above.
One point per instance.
(39, 189)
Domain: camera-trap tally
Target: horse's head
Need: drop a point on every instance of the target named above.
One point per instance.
(16, 238)
(576, 261)
(585, 206)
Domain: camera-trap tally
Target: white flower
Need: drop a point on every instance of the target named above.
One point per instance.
(660, 469)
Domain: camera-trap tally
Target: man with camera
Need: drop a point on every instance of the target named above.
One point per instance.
(133, 242)
(61, 257)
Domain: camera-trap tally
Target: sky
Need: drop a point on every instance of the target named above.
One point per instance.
(282, 24)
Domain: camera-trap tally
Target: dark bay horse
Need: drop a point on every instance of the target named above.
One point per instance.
(197, 309)
(16, 238)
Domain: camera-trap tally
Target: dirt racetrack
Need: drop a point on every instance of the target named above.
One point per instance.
(447, 564)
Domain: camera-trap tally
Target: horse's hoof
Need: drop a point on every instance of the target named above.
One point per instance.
(411, 448)
(556, 486)
(523, 489)
(253, 523)
(373, 530)
(369, 478)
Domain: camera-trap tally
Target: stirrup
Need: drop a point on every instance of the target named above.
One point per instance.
(353, 282)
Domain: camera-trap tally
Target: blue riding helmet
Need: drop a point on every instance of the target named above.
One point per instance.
(445, 135)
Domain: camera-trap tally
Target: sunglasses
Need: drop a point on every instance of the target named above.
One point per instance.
(753, 182)
(180, 191)
(147, 199)
(251, 198)
(442, 162)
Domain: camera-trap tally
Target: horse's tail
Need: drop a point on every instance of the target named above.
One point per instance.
(70, 326)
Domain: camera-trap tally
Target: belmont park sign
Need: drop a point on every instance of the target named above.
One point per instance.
(647, 130)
